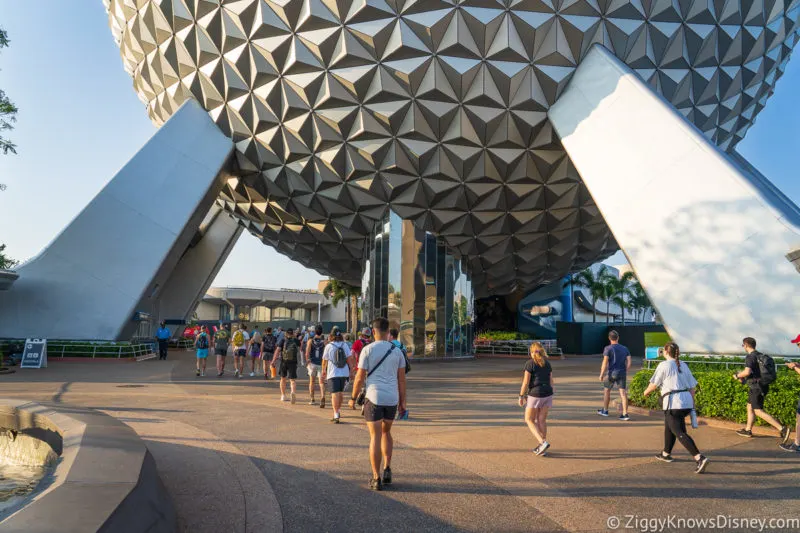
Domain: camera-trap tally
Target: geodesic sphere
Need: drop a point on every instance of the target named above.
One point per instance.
(437, 109)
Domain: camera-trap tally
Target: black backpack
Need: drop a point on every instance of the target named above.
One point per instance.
(269, 343)
(766, 366)
(317, 348)
(340, 357)
(290, 349)
(202, 342)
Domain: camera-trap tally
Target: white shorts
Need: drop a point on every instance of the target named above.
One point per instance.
(314, 370)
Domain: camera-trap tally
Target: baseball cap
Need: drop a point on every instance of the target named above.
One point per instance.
(796, 340)
(366, 332)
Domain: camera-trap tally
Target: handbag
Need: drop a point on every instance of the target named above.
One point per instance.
(362, 396)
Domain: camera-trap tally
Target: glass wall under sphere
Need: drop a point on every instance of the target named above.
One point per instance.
(415, 281)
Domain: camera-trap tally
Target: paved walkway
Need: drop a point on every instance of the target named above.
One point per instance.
(234, 458)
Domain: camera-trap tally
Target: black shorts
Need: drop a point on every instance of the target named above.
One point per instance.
(221, 351)
(376, 413)
(337, 384)
(756, 395)
(288, 369)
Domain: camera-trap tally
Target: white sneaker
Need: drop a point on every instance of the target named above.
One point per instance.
(252, 374)
(202, 374)
(283, 399)
(236, 373)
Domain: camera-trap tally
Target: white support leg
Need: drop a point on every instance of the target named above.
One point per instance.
(124, 245)
(706, 234)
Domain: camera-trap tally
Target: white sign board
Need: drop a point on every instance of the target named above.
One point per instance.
(35, 354)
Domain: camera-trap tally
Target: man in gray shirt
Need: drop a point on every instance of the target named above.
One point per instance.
(382, 367)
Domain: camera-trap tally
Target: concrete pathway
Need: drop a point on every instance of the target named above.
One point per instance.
(234, 458)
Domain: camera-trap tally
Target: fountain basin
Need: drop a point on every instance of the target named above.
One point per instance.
(103, 477)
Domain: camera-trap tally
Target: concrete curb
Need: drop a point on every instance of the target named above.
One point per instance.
(105, 471)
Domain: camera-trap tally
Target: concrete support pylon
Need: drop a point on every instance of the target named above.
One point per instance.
(125, 245)
(706, 234)
(197, 268)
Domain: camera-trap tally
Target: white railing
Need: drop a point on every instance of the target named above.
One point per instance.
(514, 347)
(91, 349)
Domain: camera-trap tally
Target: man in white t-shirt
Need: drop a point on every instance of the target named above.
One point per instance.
(382, 367)
(335, 372)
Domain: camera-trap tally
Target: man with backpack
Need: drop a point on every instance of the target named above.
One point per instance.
(758, 374)
(221, 340)
(239, 340)
(315, 348)
(268, 351)
(794, 446)
(614, 371)
(337, 367)
(288, 351)
(361, 343)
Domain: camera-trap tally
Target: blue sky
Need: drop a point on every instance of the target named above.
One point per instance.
(80, 121)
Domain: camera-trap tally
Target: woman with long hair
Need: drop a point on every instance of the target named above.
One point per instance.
(536, 395)
(677, 386)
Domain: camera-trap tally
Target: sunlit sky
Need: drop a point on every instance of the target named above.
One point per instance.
(80, 121)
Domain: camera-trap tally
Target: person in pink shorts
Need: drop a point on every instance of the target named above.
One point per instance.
(536, 395)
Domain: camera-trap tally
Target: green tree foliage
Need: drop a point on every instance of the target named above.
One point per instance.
(8, 110)
(337, 291)
(617, 290)
(624, 291)
(6, 263)
(594, 283)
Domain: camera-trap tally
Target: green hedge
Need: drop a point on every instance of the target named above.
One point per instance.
(699, 363)
(720, 396)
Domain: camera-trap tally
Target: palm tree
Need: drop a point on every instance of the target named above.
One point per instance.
(594, 283)
(639, 300)
(616, 289)
(337, 291)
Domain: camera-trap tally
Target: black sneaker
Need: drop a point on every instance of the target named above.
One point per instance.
(387, 476)
(785, 434)
(744, 432)
(335, 419)
(197, 372)
(791, 447)
(624, 417)
(666, 458)
(375, 484)
(701, 464)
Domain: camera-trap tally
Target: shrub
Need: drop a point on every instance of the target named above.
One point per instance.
(720, 396)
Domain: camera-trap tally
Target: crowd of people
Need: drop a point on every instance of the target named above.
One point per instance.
(376, 364)
(677, 387)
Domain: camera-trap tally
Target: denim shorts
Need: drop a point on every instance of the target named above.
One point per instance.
(620, 382)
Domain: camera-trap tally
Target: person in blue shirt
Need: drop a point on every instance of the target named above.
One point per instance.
(162, 336)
